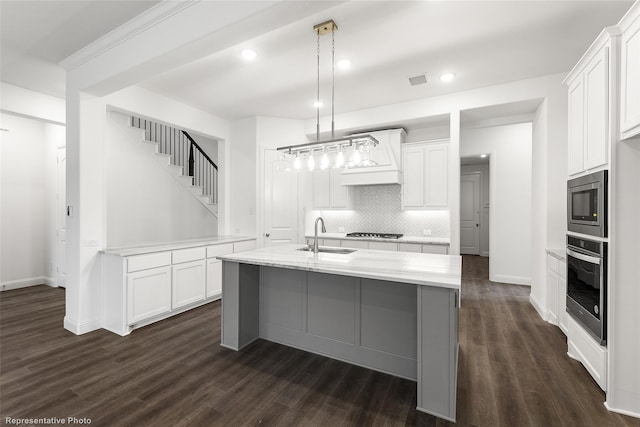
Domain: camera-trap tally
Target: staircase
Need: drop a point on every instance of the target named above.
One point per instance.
(175, 146)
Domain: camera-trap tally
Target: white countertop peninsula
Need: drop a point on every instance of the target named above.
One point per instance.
(394, 312)
(174, 245)
(405, 267)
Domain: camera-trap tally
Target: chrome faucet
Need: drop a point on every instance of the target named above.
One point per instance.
(315, 234)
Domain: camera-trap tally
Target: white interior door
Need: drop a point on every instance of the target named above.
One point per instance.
(470, 214)
(280, 200)
(61, 219)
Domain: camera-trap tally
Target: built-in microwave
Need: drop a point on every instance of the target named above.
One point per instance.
(587, 204)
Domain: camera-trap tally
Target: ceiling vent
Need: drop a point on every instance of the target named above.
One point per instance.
(418, 80)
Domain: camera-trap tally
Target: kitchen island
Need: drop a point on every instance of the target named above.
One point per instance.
(392, 312)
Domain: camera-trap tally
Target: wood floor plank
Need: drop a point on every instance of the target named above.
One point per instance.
(513, 371)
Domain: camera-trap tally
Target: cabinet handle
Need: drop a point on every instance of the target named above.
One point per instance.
(267, 234)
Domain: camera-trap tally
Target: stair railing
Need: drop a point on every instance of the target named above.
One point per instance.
(184, 151)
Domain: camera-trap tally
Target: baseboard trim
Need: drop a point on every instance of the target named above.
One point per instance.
(541, 312)
(80, 328)
(621, 411)
(513, 280)
(25, 283)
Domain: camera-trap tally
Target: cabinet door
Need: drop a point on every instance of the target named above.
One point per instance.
(148, 293)
(552, 299)
(630, 84)
(437, 175)
(340, 196)
(188, 283)
(214, 278)
(576, 127)
(562, 297)
(596, 92)
(413, 172)
(321, 189)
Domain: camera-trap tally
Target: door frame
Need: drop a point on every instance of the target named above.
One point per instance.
(60, 216)
(260, 226)
(480, 222)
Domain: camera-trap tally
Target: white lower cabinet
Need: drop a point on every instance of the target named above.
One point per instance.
(557, 292)
(148, 293)
(188, 283)
(214, 278)
(141, 289)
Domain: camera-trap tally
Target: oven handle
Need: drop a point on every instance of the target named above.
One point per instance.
(583, 257)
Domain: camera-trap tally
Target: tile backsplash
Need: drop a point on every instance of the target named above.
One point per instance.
(378, 209)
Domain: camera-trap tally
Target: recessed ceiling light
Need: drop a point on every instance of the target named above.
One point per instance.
(447, 77)
(317, 104)
(483, 156)
(344, 64)
(249, 54)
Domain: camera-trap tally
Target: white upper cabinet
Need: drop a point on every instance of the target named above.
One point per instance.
(596, 92)
(630, 73)
(425, 175)
(328, 193)
(576, 127)
(591, 95)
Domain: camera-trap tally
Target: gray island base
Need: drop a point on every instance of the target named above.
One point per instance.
(392, 312)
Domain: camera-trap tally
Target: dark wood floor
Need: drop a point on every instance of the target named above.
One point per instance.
(513, 371)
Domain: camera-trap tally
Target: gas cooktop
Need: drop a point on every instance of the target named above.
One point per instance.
(378, 235)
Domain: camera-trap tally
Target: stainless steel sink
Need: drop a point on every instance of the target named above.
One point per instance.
(328, 250)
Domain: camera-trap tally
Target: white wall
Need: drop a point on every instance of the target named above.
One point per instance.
(145, 204)
(243, 176)
(27, 103)
(27, 199)
(509, 148)
(483, 169)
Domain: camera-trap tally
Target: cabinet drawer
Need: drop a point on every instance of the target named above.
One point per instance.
(409, 247)
(244, 246)
(383, 246)
(435, 249)
(217, 250)
(355, 244)
(186, 255)
(145, 262)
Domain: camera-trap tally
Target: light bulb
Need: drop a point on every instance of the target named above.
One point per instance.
(324, 161)
(356, 156)
(311, 164)
(340, 160)
(296, 163)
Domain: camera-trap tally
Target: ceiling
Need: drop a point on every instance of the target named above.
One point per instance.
(483, 42)
(36, 35)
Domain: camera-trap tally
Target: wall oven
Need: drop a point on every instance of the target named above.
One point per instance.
(587, 204)
(587, 285)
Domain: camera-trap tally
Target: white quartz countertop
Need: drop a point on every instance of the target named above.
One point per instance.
(416, 268)
(179, 244)
(403, 239)
(560, 254)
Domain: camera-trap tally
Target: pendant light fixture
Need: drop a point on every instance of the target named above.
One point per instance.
(333, 147)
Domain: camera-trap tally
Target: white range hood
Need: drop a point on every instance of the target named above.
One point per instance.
(387, 157)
